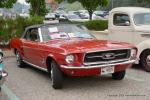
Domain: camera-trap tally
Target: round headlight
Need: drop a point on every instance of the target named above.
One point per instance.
(1, 58)
(69, 58)
(133, 53)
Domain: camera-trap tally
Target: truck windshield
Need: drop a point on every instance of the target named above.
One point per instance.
(142, 19)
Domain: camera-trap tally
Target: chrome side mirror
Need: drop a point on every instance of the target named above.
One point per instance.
(127, 23)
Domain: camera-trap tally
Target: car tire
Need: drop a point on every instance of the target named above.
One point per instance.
(145, 60)
(119, 75)
(56, 76)
(20, 62)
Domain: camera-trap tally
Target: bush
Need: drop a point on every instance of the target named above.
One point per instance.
(97, 25)
(14, 28)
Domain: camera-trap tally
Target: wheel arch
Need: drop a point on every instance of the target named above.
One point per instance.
(142, 47)
(49, 60)
(148, 49)
(15, 49)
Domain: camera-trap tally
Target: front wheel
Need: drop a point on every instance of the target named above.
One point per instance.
(56, 76)
(119, 75)
(145, 60)
(20, 63)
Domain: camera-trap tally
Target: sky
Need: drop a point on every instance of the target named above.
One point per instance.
(22, 1)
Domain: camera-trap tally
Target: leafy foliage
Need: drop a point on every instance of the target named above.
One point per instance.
(7, 3)
(123, 3)
(38, 8)
(97, 25)
(14, 28)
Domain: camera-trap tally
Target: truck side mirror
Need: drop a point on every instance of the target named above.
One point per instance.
(127, 23)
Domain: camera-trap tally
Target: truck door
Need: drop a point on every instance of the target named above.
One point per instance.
(120, 28)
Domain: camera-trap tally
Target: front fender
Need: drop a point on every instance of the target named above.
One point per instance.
(59, 58)
(143, 46)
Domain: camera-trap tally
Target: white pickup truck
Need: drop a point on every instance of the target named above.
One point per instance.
(132, 25)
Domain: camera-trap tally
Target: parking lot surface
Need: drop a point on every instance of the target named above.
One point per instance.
(32, 84)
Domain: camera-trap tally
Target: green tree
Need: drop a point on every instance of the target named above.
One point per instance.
(38, 8)
(89, 5)
(142, 3)
(7, 3)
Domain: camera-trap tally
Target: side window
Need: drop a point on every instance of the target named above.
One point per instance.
(121, 20)
(32, 35)
(27, 33)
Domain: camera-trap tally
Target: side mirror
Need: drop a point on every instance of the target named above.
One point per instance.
(127, 23)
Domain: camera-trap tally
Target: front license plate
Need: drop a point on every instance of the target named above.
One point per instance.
(107, 70)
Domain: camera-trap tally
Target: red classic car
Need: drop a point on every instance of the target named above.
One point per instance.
(68, 49)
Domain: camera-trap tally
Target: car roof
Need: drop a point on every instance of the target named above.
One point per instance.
(131, 10)
(41, 25)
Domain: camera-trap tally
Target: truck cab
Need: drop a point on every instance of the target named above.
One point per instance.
(132, 25)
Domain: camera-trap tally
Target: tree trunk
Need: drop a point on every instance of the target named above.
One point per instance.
(90, 14)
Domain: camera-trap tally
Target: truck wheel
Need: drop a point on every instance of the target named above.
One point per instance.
(20, 63)
(119, 75)
(145, 60)
(56, 76)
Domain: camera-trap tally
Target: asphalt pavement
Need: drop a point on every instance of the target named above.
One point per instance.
(32, 84)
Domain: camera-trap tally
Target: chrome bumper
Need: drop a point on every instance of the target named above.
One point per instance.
(3, 75)
(98, 66)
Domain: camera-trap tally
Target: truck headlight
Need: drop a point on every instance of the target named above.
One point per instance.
(133, 53)
(69, 58)
(1, 58)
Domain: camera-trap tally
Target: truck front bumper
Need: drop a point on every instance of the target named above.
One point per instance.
(3, 75)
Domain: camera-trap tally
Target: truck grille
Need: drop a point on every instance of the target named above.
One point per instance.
(105, 56)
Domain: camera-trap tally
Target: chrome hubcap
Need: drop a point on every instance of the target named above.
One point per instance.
(148, 60)
(18, 58)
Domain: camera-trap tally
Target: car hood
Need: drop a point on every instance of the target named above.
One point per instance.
(86, 45)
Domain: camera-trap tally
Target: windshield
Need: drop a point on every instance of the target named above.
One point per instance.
(64, 32)
(142, 19)
(73, 17)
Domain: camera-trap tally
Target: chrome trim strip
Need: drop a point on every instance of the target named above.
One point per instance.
(116, 55)
(108, 50)
(40, 35)
(35, 66)
(96, 66)
(115, 61)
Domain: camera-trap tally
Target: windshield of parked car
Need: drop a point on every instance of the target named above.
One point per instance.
(73, 17)
(142, 19)
(64, 32)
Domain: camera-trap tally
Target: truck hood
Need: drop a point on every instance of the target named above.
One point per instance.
(143, 29)
(86, 45)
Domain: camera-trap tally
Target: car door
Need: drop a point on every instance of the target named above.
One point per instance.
(30, 45)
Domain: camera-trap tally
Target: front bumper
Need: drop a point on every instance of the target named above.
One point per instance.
(98, 66)
(91, 70)
(3, 75)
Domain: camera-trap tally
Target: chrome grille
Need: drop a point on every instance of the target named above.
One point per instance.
(105, 56)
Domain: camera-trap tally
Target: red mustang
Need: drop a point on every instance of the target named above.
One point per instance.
(67, 49)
